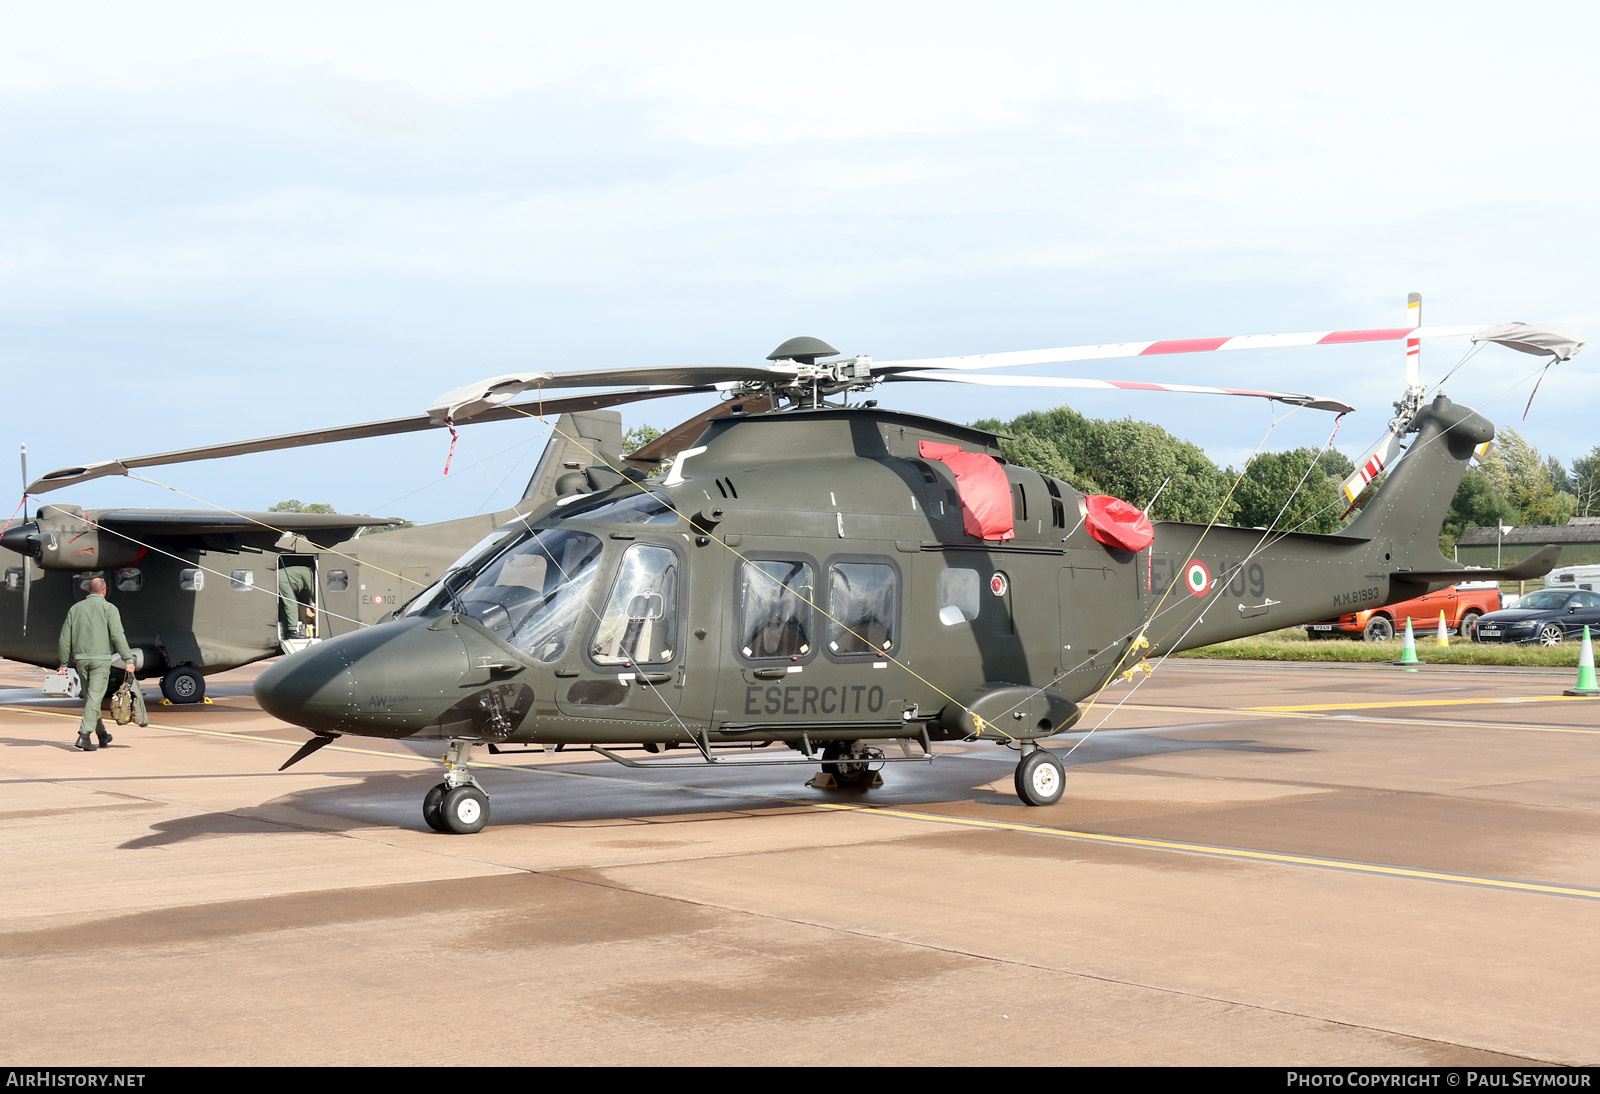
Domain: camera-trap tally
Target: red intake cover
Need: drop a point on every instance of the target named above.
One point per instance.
(985, 494)
(1115, 523)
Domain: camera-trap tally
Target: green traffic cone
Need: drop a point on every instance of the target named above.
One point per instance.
(1586, 681)
(1408, 656)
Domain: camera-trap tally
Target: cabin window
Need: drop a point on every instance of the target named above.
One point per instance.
(14, 579)
(640, 623)
(130, 579)
(241, 581)
(958, 596)
(191, 579)
(86, 577)
(775, 598)
(337, 581)
(861, 607)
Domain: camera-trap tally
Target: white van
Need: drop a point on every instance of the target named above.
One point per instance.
(1573, 577)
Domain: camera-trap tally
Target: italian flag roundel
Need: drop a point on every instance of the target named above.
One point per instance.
(1198, 578)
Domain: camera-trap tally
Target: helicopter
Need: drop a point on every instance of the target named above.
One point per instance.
(198, 590)
(839, 577)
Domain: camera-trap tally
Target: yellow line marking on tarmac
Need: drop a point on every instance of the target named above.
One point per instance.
(1316, 712)
(1209, 850)
(1422, 703)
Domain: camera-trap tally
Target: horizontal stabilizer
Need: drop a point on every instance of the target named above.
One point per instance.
(1535, 565)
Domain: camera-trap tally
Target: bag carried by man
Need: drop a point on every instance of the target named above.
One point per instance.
(127, 704)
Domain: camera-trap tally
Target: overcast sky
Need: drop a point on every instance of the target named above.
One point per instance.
(223, 221)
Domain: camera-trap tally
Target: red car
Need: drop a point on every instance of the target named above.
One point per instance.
(1462, 605)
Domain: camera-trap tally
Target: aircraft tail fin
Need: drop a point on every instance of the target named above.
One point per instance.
(579, 440)
(1410, 507)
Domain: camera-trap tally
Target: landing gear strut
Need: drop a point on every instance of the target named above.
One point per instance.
(1040, 777)
(458, 804)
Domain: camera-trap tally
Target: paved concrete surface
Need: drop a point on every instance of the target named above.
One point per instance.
(1403, 870)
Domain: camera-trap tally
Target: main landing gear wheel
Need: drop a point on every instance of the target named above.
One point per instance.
(464, 810)
(1040, 778)
(851, 772)
(433, 807)
(183, 684)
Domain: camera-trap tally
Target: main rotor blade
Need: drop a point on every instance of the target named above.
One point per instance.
(977, 361)
(1313, 402)
(676, 439)
(69, 476)
(469, 402)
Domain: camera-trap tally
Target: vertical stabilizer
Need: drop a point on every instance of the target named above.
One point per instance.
(579, 440)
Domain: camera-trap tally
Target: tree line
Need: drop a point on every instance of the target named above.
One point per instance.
(1297, 489)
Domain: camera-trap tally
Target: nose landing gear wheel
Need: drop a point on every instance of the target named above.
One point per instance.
(1040, 778)
(464, 810)
(851, 772)
(433, 807)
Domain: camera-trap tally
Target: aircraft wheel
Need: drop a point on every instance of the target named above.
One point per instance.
(464, 810)
(1040, 778)
(433, 807)
(849, 773)
(183, 684)
(1552, 634)
(1380, 628)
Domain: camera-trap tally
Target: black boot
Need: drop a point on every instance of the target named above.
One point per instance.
(85, 743)
(105, 738)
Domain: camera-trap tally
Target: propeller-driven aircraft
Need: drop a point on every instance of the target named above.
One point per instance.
(198, 590)
(820, 571)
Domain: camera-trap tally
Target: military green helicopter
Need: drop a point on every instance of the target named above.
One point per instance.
(198, 590)
(818, 570)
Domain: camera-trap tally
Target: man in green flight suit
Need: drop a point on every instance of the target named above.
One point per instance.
(297, 585)
(92, 632)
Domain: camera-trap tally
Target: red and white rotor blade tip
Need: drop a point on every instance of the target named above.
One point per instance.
(1373, 464)
(1293, 398)
(977, 361)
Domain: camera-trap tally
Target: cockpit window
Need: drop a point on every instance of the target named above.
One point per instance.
(635, 509)
(640, 624)
(531, 593)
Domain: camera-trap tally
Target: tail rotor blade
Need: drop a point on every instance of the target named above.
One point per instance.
(1371, 466)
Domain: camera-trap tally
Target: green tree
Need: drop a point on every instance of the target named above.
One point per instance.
(1586, 484)
(295, 505)
(636, 437)
(1128, 459)
(1477, 504)
(1523, 478)
(1289, 491)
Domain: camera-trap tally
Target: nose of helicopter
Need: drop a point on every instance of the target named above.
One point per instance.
(384, 681)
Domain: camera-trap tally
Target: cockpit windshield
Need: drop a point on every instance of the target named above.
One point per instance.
(530, 592)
